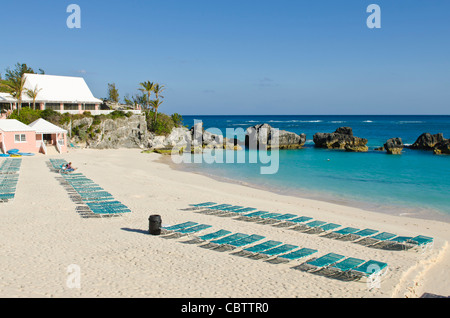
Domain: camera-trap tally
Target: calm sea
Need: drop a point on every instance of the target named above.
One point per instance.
(417, 183)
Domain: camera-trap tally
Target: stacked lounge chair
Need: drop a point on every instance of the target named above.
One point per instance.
(8, 178)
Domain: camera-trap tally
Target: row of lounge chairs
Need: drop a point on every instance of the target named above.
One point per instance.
(8, 179)
(331, 264)
(305, 224)
(94, 199)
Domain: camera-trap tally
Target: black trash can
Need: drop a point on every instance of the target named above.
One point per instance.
(155, 224)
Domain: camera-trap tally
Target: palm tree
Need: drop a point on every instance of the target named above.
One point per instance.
(155, 104)
(33, 94)
(158, 89)
(15, 86)
(147, 87)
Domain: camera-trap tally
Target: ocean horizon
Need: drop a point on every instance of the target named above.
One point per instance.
(413, 184)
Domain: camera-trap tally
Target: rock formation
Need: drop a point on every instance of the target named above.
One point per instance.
(266, 137)
(394, 146)
(437, 143)
(342, 138)
(427, 141)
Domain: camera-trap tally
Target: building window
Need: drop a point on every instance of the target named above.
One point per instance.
(89, 107)
(20, 138)
(70, 106)
(53, 106)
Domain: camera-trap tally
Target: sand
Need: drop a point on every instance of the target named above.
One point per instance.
(44, 239)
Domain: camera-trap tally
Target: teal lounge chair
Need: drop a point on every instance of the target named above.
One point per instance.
(323, 228)
(421, 242)
(267, 217)
(341, 233)
(200, 205)
(178, 226)
(193, 229)
(308, 226)
(294, 221)
(252, 216)
(276, 251)
(253, 250)
(214, 236)
(377, 239)
(187, 231)
(215, 208)
(226, 240)
(321, 262)
(359, 235)
(237, 212)
(370, 269)
(242, 242)
(296, 255)
(344, 267)
(279, 218)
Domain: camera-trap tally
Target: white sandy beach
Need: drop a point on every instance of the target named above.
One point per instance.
(42, 235)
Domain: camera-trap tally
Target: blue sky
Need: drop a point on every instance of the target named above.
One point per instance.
(247, 56)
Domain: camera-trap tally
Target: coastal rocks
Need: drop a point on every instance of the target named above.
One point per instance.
(394, 146)
(264, 136)
(427, 141)
(442, 148)
(343, 139)
(436, 143)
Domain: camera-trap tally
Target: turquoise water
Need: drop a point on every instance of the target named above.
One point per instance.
(416, 183)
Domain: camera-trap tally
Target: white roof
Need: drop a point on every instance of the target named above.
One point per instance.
(8, 125)
(6, 98)
(61, 89)
(41, 126)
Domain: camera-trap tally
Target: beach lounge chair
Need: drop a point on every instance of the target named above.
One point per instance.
(276, 251)
(254, 250)
(236, 212)
(341, 233)
(405, 242)
(358, 235)
(376, 239)
(371, 270)
(252, 216)
(200, 205)
(267, 217)
(208, 237)
(295, 255)
(308, 226)
(225, 240)
(323, 228)
(279, 218)
(251, 239)
(167, 229)
(294, 221)
(321, 262)
(225, 210)
(177, 233)
(343, 267)
(214, 208)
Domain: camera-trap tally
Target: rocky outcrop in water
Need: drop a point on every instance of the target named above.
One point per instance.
(394, 146)
(427, 141)
(436, 143)
(442, 148)
(342, 138)
(264, 136)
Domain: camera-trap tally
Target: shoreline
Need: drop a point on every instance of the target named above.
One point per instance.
(419, 213)
(118, 258)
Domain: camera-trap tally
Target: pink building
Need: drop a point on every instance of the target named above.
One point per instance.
(35, 138)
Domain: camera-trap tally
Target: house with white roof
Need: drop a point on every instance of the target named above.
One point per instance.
(34, 138)
(60, 93)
